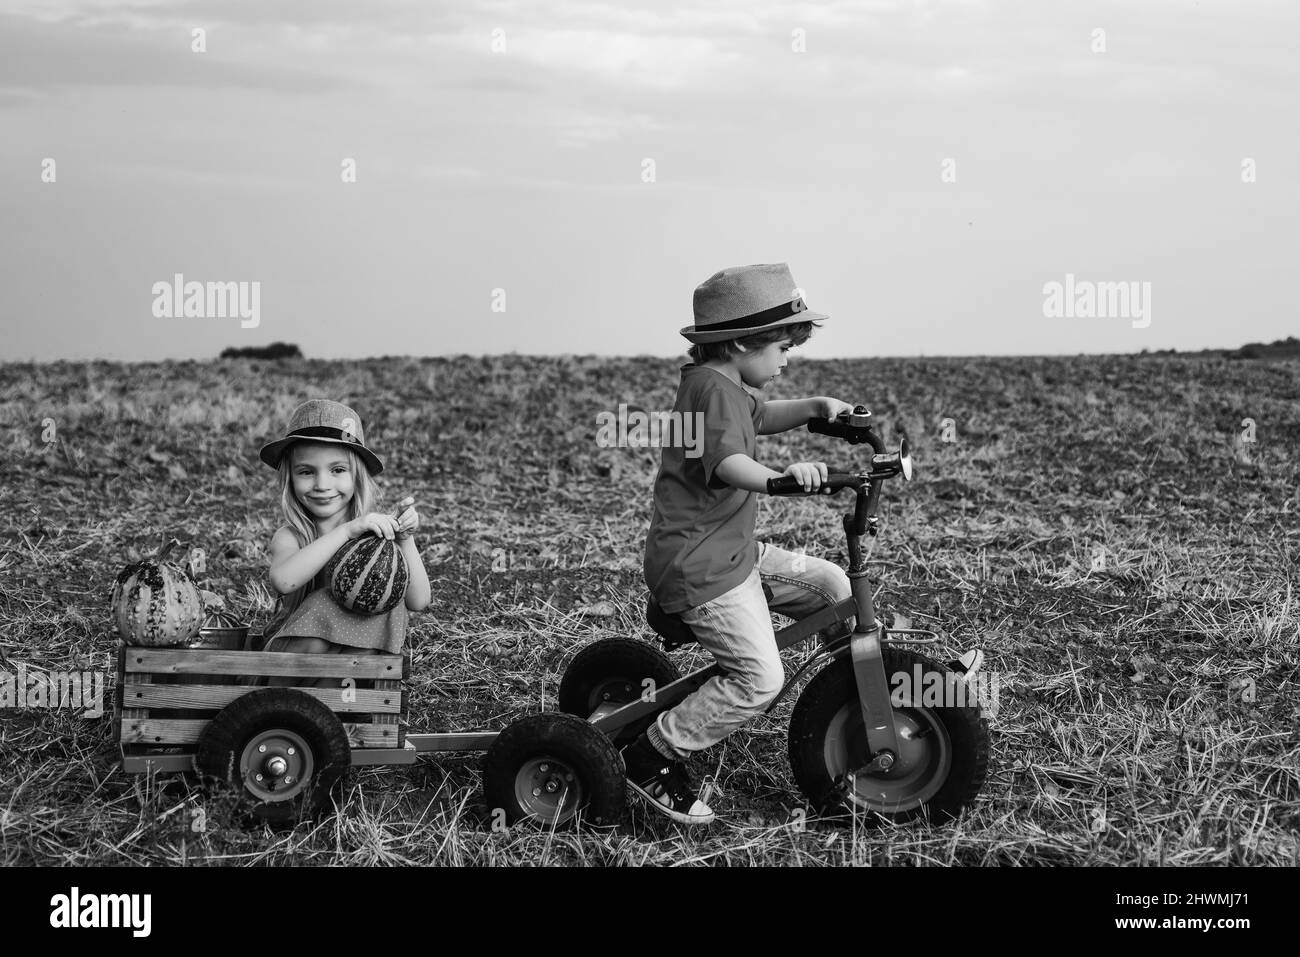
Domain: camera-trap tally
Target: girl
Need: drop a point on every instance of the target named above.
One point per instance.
(328, 498)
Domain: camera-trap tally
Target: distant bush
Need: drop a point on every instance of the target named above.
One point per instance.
(1290, 346)
(276, 350)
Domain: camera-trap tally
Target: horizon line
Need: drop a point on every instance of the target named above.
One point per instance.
(638, 355)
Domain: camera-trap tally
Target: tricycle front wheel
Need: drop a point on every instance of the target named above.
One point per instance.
(943, 744)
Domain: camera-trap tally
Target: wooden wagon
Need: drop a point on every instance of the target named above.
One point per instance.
(211, 712)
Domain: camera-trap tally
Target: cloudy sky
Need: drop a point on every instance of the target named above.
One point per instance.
(602, 160)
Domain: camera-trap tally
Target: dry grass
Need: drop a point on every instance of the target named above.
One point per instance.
(1125, 732)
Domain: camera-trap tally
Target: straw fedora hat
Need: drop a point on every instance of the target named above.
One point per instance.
(322, 420)
(742, 300)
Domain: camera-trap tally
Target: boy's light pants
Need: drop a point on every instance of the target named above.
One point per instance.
(736, 628)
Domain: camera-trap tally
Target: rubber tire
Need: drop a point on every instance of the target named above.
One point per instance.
(591, 755)
(223, 741)
(835, 686)
(612, 659)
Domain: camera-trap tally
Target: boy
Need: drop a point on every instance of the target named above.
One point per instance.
(702, 561)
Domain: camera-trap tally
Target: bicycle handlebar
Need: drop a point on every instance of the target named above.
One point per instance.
(835, 481)
(854, 427)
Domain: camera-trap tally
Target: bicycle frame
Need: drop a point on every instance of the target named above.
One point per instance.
(612, 718)
(863, 646)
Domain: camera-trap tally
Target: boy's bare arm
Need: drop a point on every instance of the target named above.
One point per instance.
(782, 415)
(740, 471)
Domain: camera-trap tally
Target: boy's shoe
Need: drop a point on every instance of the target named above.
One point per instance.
(664, 783)
(967, 664)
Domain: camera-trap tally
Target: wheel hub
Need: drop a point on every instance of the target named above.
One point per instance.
(889, 782)
(276, 765)
(616, 690)
(548, 789)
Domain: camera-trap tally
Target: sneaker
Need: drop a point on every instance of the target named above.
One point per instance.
(664, 783)
(968, 664)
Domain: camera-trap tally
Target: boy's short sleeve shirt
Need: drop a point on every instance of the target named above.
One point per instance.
(701, 540)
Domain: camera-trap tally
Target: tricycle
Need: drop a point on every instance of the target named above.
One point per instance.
(866, 733)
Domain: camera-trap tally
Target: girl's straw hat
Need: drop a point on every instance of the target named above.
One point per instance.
(742, 300)
(321, 420)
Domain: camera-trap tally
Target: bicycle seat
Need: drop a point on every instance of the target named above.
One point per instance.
(672, 631)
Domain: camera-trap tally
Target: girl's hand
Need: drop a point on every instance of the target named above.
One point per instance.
(830, 407)
(408, 519)
(810, 474)
(377, 523)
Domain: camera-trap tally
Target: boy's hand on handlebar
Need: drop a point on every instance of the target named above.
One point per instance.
(376, 523)
(810, 475)
(830, 408)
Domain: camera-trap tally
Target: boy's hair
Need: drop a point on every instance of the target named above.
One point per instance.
(798, 333)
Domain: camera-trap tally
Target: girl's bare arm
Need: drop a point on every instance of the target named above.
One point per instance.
(292, 566)
(418, 591)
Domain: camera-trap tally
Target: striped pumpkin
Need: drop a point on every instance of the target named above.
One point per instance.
(368, 575)
(156, 603)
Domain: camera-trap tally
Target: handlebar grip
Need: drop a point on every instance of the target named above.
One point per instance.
(842, 428)
(789, 485)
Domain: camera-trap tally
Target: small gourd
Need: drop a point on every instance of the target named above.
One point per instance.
(368, 575)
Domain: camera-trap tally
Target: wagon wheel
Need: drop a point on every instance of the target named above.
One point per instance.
(552, 768)
(280, 749)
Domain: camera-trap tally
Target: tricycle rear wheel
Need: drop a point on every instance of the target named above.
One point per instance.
(615, 671)
(552, 769)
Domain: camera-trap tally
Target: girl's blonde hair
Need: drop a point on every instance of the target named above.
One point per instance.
(365, 498)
